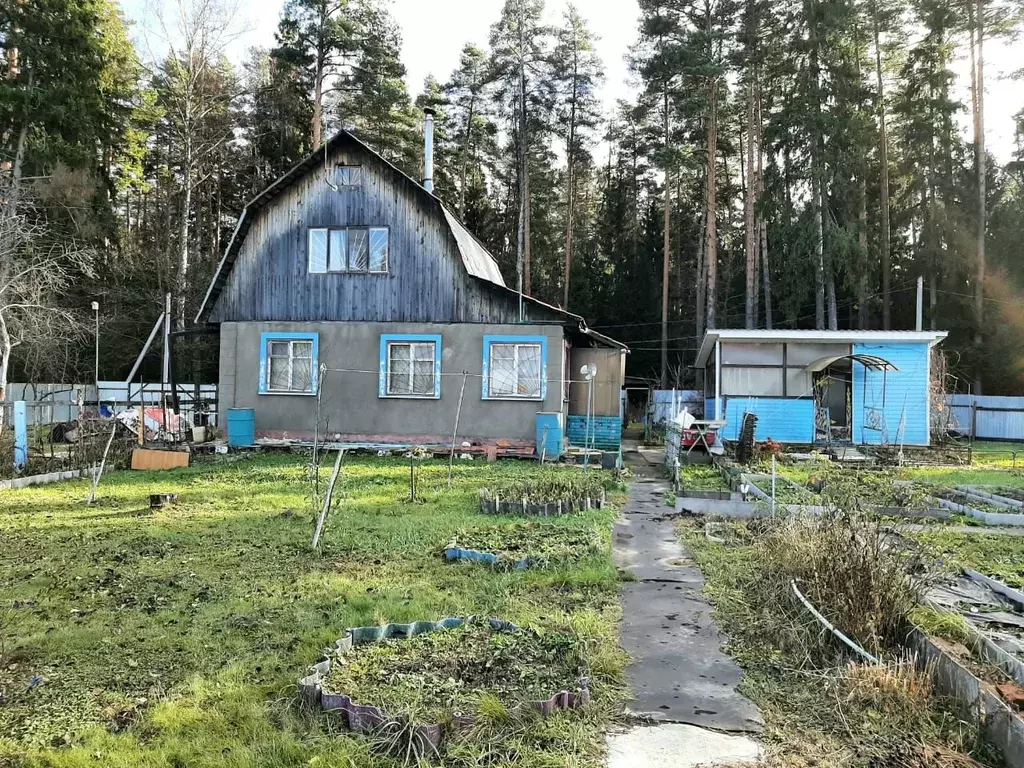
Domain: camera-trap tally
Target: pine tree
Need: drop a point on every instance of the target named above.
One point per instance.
(577, 72)
(519, 63)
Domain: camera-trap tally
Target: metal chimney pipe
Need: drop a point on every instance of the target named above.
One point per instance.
(428, 149)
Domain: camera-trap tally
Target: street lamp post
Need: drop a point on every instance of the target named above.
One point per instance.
(96, 371)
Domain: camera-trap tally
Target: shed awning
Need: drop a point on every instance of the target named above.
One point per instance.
(873, 362)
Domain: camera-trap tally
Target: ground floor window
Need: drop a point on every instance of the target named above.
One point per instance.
(288, 363)
(410, 366)
(515, 367)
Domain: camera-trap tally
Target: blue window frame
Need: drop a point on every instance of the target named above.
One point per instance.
(410, 365)
(289, 363)
(515, 367)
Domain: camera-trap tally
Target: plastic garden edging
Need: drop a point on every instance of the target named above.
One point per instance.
(362, 718)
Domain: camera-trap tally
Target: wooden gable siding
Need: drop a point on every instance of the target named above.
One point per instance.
(426, 280)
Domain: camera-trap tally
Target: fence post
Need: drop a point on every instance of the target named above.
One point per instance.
(20, 435)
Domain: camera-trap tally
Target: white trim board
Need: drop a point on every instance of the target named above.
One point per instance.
(814, 336)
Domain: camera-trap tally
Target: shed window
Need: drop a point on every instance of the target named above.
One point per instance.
(514, 367)
(410, 366)
(348, 249)
(348, 175)
(288, 363)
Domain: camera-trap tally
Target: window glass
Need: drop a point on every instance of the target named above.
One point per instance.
(798, 383)
(378, 249)
(358, 250)
(348, 175)
(803, 354)
(528, 380)
(411, 368)
(337, 257)
(318, 250)
(755, 382)
(741, 353)
(514, 370)
(289, 365)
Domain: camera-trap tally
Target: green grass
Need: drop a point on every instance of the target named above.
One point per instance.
(998, 555)
(176, 638)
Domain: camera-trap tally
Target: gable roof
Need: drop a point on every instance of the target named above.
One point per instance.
(815, 336)
(475, 257)
(477, 260)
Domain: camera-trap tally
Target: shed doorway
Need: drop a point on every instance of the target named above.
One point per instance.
(833, 396)
(833, 402)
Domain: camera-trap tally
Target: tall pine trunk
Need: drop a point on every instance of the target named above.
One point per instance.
(666, 253)
(711, 234)
(883, 159)
(570, 192)
(750, 230)
(762, 225)
(978, 93)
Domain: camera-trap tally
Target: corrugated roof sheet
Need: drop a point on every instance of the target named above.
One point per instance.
(478, 261)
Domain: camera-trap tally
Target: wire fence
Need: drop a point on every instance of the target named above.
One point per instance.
(66, 427)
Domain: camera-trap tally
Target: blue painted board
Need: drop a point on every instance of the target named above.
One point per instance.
(20, 435)
(902, 414)
(786, 419)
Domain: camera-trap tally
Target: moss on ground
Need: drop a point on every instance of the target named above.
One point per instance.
(175, 637)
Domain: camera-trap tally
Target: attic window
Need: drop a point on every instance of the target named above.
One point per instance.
(348, 249)
(348, 175)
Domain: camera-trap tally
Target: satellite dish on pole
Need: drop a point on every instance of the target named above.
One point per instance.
(588, 371)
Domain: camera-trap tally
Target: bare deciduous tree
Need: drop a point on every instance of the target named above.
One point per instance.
(35, 272)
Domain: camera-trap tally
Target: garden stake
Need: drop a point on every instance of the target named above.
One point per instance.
(99, 472)
(327, 499)
(458, 412)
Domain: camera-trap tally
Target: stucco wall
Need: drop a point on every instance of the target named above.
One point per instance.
(350, 403)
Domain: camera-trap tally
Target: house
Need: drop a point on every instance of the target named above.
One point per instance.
(855, 387)
(352, 298)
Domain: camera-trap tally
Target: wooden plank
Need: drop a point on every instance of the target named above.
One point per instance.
(149, 459)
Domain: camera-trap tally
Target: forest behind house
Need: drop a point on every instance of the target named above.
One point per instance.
(785, 164)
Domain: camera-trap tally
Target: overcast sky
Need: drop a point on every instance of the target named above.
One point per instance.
(434, 32)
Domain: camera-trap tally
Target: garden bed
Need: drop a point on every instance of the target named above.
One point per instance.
(545, 496)
(430, 677)
(523, 544)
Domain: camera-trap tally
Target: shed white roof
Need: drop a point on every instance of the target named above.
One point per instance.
(818, 337)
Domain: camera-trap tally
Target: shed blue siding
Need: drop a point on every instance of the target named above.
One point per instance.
(906, 394)
(786, 419)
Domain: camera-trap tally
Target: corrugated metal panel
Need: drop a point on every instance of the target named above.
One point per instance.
(986, 401)
(1002, 424)
(902, 414)
(788, 420)
(479, 262)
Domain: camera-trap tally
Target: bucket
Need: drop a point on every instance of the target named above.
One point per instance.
(550, 435)
(241, 427)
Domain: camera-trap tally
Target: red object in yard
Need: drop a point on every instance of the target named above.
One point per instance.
(691, 437)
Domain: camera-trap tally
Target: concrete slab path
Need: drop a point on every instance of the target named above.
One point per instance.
(679, 673)
(682, 682)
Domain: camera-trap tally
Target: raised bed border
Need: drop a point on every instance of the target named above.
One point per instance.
(454, 552)
(361, 718)
(499, 506)
(994, 519)
(45, 479)
(976, 700)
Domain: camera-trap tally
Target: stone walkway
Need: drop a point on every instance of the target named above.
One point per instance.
(679, 676)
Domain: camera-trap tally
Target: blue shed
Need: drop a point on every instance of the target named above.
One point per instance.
(852, 387)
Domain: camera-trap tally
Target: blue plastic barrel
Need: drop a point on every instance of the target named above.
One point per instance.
(550, 435)
(241, 427)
